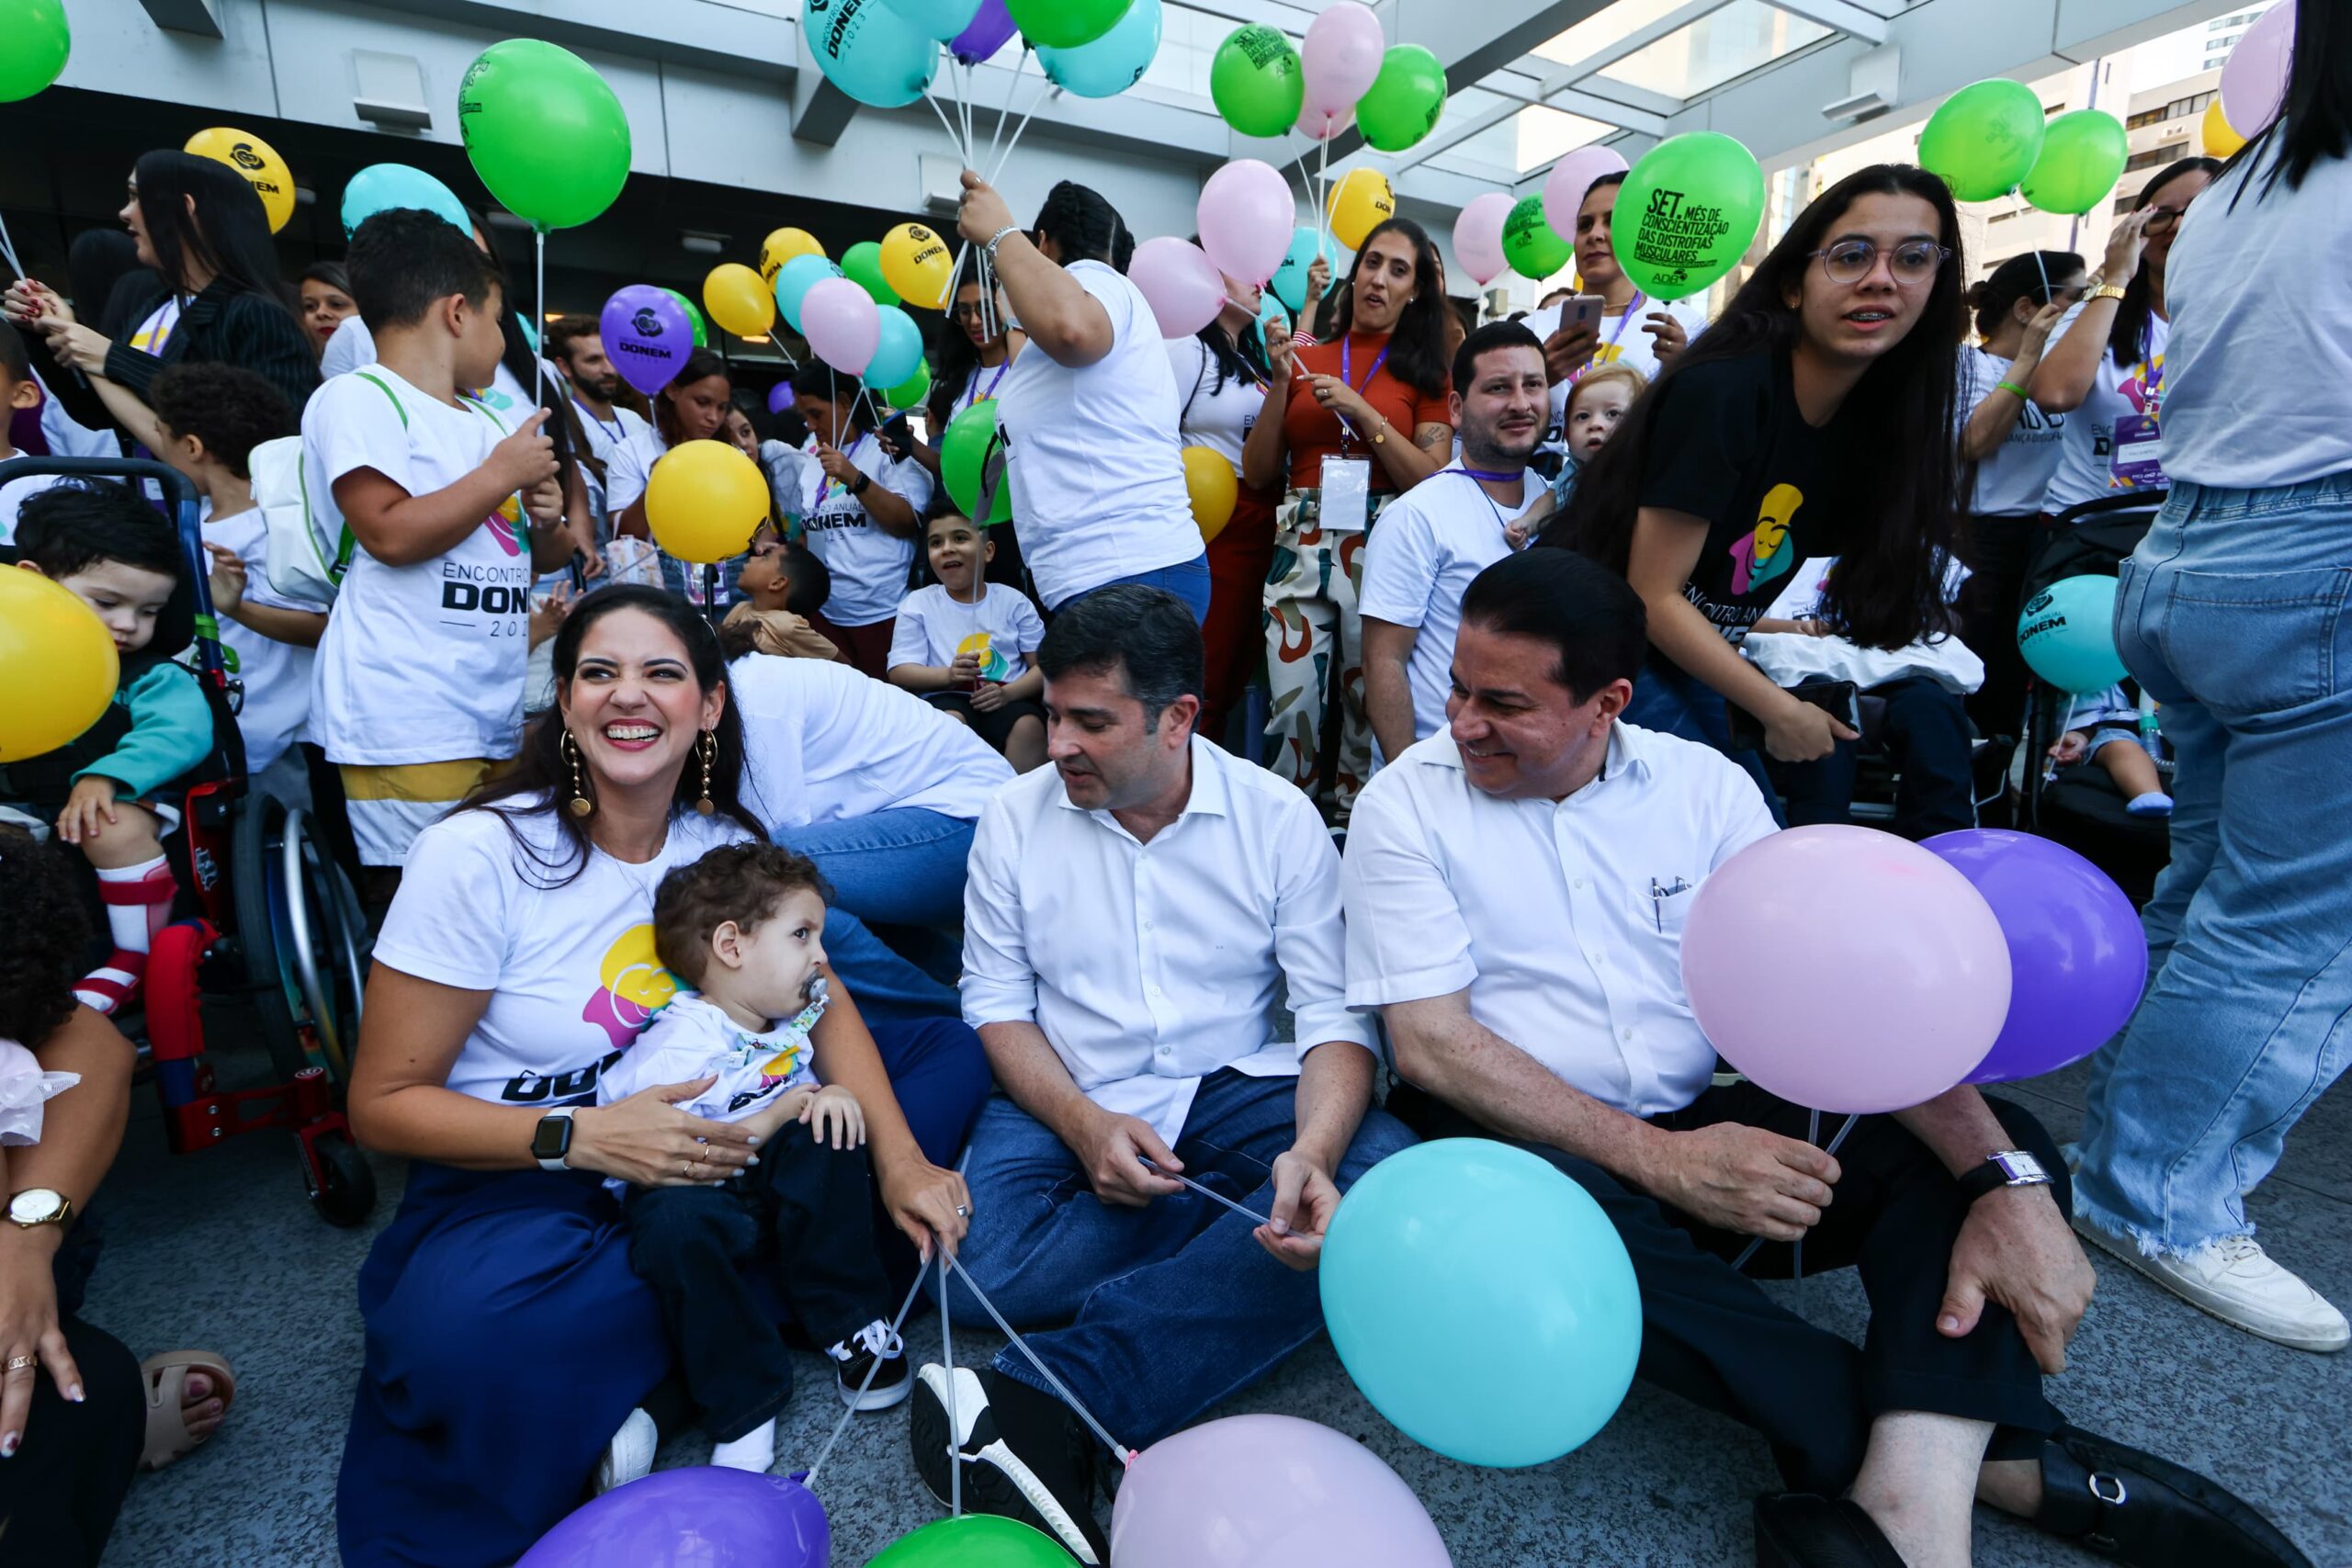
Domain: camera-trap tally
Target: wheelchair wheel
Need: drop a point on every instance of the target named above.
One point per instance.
(301, 936)
(342, 1189)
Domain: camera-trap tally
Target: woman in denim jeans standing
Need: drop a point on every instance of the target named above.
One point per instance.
(2232, 615)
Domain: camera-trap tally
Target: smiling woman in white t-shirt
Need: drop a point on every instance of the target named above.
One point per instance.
(509, 1343)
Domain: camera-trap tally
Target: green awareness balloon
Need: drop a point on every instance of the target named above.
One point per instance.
(1534, 251)
(1404, 101)
(693, 317)
(1256, 82)
(964, 450)
(2082, 157)
(544, 133)
(912, 392)
(1687, 213)
(1985, 139)
(1065, 24)
(973, 1540)
(862, 264)
(38, 43)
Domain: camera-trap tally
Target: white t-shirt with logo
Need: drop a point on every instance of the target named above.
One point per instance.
(1624, 340)
(2086, 467)
(1097, 486)
(628, 464)
(1418, 564)
(868, 562)
(419, 663)
(2013, 480)
(1216, 416)
(1002, 627)
(692, 1037)
(571, 969)
(277, 676)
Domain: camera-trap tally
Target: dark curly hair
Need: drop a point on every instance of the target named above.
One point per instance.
(227, 407)
(744, 883)
(48, 937)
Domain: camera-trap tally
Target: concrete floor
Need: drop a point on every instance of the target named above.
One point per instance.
(219, 1250)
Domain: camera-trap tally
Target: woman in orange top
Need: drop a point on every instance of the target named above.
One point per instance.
(1361, 419)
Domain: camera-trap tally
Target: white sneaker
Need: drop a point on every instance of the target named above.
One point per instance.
(629, 1456)
(2239, 1284)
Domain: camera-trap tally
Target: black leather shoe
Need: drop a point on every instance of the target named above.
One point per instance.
(1797, 1530)
(2149, 1512)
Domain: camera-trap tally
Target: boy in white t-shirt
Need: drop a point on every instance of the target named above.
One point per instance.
(419, 692)
(210, 417)
(744, 928)
(971, 649)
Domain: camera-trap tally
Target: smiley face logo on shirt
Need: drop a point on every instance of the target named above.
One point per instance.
(634, 987)
(1764, 554)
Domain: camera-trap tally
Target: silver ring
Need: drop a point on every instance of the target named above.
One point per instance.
(962, 1213)
(19, 1364)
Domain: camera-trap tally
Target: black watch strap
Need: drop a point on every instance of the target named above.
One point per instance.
(864, 482)
(2009, 1167)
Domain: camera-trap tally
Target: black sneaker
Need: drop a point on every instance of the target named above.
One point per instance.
(1025, 1456)
(872, 1367)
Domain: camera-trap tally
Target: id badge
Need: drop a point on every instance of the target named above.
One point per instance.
(2139, 459)
(1345, 504)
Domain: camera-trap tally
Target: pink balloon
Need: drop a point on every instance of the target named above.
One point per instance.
(1247, 214)
(1180, 283)
(1268, 1489)
(1845, 969)
(2254, 78)
(841, 323)
(1570, 181)
(1478, 237)
(1317, 126)
(1341, 55)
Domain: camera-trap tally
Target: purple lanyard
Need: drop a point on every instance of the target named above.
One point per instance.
(1493, 479)
(834, 487)
(1348, 378)
(2152, 375)
(1636, 303)
(972, 394)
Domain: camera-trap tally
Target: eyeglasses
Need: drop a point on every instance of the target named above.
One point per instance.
(1912, 261)
(2164, 220)
(965, 310)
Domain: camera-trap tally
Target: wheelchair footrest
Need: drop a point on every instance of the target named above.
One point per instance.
(209, 1118)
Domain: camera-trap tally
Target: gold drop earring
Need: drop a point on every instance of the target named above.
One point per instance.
(580, 804)
(708, 750)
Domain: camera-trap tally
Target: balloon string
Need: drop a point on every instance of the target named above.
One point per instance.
(1027, 115)
(1251, 1216)
(947, 1355)
(8, 251)
(952, 139)
(1011, 85)
(1126, 1455)
(1752, 1248)
(809, 1480)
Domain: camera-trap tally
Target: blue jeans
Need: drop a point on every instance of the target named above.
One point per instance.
(1670, 700)
(1189, 582)
(898, 875)
(1171, 1307)
(2232, 615)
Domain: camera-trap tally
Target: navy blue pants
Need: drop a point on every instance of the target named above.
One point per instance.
(1924, 734)
(508, 1336)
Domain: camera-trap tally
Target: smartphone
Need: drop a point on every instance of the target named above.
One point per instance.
(1839, 699)
(1582, 310)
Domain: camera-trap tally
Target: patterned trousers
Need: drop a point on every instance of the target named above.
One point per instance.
(1315, 643)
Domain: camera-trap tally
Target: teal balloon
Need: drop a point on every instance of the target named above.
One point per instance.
(871, 51)
(2083, 155)
(1983, 139)
(942, 19)
(1111, 63)
(380, 188)
(1289, 282)
(794, 278)
(2067, 634)
(1482, 1301)
(897, 354)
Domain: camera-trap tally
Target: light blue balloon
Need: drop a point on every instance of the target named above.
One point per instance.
(896, 352)
(1482, 1301)
(1111, 63)
(1289, 282)
(794, 278)
(380, 188)
(2067, 634)
(870, 51)
(942, 19)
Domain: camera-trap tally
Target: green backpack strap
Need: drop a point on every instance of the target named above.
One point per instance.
(349, 544)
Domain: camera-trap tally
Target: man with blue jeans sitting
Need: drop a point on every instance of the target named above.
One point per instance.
(1132, 914)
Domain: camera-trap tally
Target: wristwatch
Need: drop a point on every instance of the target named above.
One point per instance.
(2007, 1167)
(39, 1206)
(2104, 292)
(551, 1139)
(863, 482)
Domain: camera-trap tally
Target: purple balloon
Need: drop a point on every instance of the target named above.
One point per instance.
(702, 1517)
(647, 337)
(2079, 958)
(779, 397)
(987, 33)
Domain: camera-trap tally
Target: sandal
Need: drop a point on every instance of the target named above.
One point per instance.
(168, 1437)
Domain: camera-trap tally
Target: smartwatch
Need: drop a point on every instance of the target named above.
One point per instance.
(2008, 1168)
(863, 482)
(551, 1139)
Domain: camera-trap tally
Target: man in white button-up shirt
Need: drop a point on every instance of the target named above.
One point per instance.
(1133, 917)
(1516, 889)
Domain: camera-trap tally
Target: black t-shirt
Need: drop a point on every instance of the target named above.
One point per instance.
(1729, 445)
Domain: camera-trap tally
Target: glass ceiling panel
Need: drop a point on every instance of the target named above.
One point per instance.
(1605, 27)
(1188, 40)
(1530, 139)
(1730, 42)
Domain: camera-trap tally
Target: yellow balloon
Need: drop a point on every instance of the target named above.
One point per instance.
(782, 247)
(1362, 203)
(1209, 479)
(257, 161)
(2220, 137)
(738, 300)
(57, 663)
(704, 500)
(917, 263)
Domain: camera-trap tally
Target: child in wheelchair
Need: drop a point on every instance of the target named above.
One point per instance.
(2104, 729)
(105, 545)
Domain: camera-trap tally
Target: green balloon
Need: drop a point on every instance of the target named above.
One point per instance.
(1066, 24)
(973, 1540)
(1257, 81)
(693, 317)
(911, 391)
(1404, 101)
(964, 450)
(38, 44)
(2082, 157)
(862, 264)
(544, 133)
(1687, 213)
(1533, 250)
(1985, 139)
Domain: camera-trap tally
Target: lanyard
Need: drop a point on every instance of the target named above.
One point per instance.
(617, 430)
(2152, 375)
(1482, 477)
(972, 394)
(1347, 378)
(1633, 308)
(834, 487)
